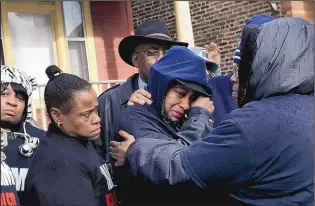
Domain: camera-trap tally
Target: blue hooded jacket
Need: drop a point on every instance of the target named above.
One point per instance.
(262, 153)
(145, 121)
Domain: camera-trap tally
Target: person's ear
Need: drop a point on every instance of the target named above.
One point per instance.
(134, 59)
(56, 115)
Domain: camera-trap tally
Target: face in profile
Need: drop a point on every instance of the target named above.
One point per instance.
(82, 120)
(13, 98)
(178, 101)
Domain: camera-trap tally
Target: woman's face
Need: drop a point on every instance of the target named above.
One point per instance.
(12, 105)
(178, 101)
(83, 119)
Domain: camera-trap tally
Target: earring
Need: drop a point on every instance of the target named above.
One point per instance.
(58, 124)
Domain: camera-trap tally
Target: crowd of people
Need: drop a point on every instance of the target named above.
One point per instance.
(178, 132)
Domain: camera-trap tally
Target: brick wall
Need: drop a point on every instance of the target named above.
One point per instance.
(217, 21)
(147, 10)
(222, 21)
(112, 21)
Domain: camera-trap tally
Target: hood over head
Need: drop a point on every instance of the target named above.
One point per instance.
(257, 20)
(280, 58)
(12, 75)
(178, 64)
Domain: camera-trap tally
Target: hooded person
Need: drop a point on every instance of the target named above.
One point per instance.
(16, 116)
(180, 112)
(257, 20)
(262, 153)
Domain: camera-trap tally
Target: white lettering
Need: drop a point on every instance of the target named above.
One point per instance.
(6, 175)
(105, 172)
(20, 176)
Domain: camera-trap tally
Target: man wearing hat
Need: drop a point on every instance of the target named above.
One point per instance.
(141, 50)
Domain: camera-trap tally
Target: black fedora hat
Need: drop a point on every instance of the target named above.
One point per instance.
(152, 32)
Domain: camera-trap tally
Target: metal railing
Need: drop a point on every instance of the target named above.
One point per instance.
(39, 110)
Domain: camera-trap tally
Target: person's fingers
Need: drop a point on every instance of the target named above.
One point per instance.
(213, 45)
(126, 135)
(144, 93)
(130, 103)
(113, 155)
(140, 99)
(149, 101)
(113, 150)
(114, 144)
(137, 99)
(118, 163)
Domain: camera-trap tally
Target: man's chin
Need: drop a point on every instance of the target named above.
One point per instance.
(94, 137)
(8, 123)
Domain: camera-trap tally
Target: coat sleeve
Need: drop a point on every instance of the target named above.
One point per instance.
(221, 159)
(137, 124)
(197, 126)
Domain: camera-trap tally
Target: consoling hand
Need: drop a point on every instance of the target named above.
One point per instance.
(117, 150)
(140, 97)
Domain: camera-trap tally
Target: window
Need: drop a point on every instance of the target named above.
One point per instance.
(74, 28)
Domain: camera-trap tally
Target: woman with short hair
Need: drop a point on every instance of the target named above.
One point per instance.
(66, 169)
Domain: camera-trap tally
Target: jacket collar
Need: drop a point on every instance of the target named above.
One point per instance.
(128, 89)
(55, 132)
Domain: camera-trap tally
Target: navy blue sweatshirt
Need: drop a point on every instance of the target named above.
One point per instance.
(18, 163)
(8, 191)
(68, 171)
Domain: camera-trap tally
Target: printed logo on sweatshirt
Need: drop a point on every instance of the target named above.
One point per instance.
(8, 199)
(105, 172)
(20, 176)
(7, 178)
(7, 182)
(111, 199)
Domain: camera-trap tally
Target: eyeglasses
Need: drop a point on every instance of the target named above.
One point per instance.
(153, 53)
